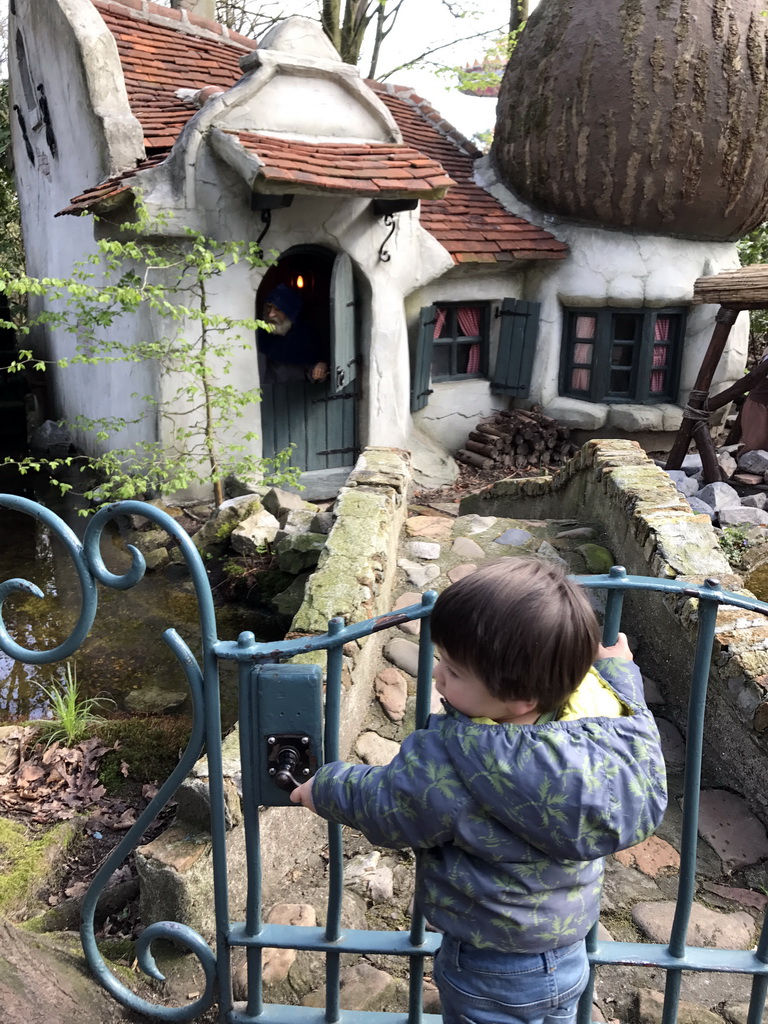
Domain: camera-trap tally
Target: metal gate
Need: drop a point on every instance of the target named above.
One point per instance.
(267, 751)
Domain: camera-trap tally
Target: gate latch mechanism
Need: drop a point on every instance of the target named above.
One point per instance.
(290, 760)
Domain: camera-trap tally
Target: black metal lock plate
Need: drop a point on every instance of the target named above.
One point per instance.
(290, 760)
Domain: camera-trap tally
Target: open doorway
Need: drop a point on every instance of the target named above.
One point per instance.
(308, 363)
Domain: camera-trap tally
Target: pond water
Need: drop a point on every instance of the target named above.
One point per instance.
(124, 650)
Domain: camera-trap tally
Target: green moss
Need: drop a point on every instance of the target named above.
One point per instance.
(25, 863)
(150, 747)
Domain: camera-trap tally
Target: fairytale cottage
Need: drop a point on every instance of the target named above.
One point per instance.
(442, 293)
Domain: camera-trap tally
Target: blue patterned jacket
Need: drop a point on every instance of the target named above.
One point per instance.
(511, 822)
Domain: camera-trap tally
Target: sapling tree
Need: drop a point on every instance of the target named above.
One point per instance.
(199, 409)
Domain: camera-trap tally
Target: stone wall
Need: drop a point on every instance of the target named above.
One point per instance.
(652, 530)
(354, 579)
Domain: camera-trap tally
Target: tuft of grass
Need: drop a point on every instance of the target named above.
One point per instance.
(72, 716)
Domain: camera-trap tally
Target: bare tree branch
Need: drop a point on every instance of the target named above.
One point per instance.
(436, 49)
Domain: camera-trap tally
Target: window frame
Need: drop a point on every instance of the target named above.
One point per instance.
(483, 340)
(641, 367)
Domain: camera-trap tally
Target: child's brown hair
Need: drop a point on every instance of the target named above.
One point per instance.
(522, 627)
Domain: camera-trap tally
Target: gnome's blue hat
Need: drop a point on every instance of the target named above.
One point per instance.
(287, 300)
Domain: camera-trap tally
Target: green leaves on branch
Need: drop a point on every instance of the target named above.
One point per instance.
(191, 346)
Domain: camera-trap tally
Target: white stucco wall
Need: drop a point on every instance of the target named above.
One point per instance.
(610, 268)
(70, 52)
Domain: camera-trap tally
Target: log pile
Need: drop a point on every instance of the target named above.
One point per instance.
(517, 439)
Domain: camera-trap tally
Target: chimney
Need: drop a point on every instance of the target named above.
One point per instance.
(202, 8)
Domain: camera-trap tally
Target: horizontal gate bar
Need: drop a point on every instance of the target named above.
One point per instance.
(696, 958)
(351, 940)
(279, 1013)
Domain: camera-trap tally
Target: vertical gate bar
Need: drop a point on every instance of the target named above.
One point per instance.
(614, 606)
(759, 985)
(335, 845)
(423, 702)
(218, 822)
(689, 836)
(248, 704)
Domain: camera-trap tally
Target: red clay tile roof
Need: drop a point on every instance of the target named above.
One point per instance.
(162, 50)
(472, 225)
(366, 169)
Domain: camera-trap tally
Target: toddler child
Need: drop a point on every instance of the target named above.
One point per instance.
(540, 767)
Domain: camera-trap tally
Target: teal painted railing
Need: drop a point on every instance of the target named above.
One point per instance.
(332, 940)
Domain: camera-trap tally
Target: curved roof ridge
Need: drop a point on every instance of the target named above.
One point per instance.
(187, 21)
(429, 113)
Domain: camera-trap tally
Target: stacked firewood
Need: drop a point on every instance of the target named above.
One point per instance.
(517, 439)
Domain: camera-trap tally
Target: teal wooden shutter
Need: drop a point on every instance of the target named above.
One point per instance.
(517, 347)
(422, 362)
(343, 354)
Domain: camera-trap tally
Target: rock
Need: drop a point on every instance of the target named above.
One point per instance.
(748, 479)
(299, 520)
(154, 700)
(707, 928)
(322, 522)
(288, 601)
(651, 857)
(248, 501)
(684, 483)
(691, 465)
(578, 533)
(391, 689)
(149, 540)
(672, 745)
(218, 529)
(460, 571)
(547, 551)
(51, 439)
(363, 987)
(419, 575)
(251, 536)
(423, 549)
(467, 525)
(238, 486)
(730, 828)
(365, 875)
(652, 691)
(719, 496)
(374, 749)
(701, 507)
(280, 502)
(514, 538)
(758, 500)
(727, 463)
(403, 654)
(156, 559)
(465, 547)
(743, 897)
(754, 462)
(430, 998)
(650, 1006)
(744, 515)
(413, 628)
(276, 963)
(299, 551)
(599, 559)
(428, 526)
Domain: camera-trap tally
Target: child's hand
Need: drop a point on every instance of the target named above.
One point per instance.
(619, 650)
(303, 795)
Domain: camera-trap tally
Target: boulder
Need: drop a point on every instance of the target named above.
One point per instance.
(218, 530)
(254, 533)
(757, 500)
(719, 495)
(701, 507)
(300, 551)
(743, 515)
(754, 462)
(51, 439)
(280, 502)
(288, 601)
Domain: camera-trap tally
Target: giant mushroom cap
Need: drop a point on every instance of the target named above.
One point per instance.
(643, 115)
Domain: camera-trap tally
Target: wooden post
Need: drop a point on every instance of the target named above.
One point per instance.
(725, 319)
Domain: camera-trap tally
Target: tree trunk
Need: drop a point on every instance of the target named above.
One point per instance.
(518, 14)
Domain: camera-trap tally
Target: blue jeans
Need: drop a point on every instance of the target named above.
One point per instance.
(482, 986)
